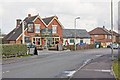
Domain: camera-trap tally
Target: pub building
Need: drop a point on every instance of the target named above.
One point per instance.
(39, 31)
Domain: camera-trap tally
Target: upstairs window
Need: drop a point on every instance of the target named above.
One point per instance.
(54, 28)
(37, 28)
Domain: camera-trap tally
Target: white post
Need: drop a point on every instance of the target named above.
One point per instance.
(23, 39)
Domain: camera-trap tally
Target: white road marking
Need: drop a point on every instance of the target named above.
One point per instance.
(98, 70)
(69, 73)
(7, 71)
(87, 61)
(98, 55)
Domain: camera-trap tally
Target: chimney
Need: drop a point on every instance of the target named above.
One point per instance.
(103, 27)
(18, 21)
(29, 15)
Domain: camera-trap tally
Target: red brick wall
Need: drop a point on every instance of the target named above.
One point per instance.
(59, 27)
(37, 21)
(100, 38)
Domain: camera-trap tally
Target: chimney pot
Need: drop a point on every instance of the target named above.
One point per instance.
(104, 27)
(29, 15)
(18, 21)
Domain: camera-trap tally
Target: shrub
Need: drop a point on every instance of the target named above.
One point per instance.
(13, 50)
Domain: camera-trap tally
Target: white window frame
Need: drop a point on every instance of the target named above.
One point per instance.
(54, 31)
(95, 35)
(36, 25)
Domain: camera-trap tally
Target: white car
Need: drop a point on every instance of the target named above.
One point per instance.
(114, 46)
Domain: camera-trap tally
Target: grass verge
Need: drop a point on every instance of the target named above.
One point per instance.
(116, 69)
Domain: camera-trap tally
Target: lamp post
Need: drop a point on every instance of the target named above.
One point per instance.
(23, 39)
(75, 31)
(112, 28)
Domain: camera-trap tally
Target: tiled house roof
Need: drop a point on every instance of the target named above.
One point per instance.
(114, 33)
(48, 20)
(27, 19)
(99, 31)
(80, 33)
(15, 33)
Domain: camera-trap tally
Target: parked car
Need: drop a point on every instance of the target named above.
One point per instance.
(114, 46)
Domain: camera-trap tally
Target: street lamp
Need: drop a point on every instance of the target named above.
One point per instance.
(23, 36)
(75, 31)
(112, 28)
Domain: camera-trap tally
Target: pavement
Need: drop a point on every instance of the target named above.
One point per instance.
(96, 69)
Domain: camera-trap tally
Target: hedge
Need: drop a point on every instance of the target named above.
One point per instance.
(13, 50)
(72, 47)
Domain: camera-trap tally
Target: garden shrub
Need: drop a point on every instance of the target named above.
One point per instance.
(14, 50)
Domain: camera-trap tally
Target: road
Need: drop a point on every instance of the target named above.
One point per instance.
(51, 66)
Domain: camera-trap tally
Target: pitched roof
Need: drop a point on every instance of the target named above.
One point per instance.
(99, 31)
(30, 19)
(48, 20)
(15, 33)
(114, 33)
(70, 33)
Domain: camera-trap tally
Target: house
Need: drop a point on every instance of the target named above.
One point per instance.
(39, 31)
(102, 36)
(82, 36)
(116, 36)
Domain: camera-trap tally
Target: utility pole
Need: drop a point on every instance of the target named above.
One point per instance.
(112, 29)
(23, 38)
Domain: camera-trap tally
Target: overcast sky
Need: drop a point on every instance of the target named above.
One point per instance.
(93, 13)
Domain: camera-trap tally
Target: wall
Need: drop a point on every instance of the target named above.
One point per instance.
(85, 40)
(59, 27)
(37, 21)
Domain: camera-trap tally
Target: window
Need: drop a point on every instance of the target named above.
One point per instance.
(54, 28)
(81, 41)
(37, 28)
(96, 35)
(109, 37)
(36, 41)
(106, 36)
(27, 39)
(71, 40)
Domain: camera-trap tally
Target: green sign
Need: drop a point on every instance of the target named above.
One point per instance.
(46, 32)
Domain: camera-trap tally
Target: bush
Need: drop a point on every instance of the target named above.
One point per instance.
(72, 47)
(13, 50)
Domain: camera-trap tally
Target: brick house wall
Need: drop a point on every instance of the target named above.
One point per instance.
(59, 28)
(104, 39)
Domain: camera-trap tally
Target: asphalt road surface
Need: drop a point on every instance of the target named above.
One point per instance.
(52, 66)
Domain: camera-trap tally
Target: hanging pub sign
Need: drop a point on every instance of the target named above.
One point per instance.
(30, 27)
